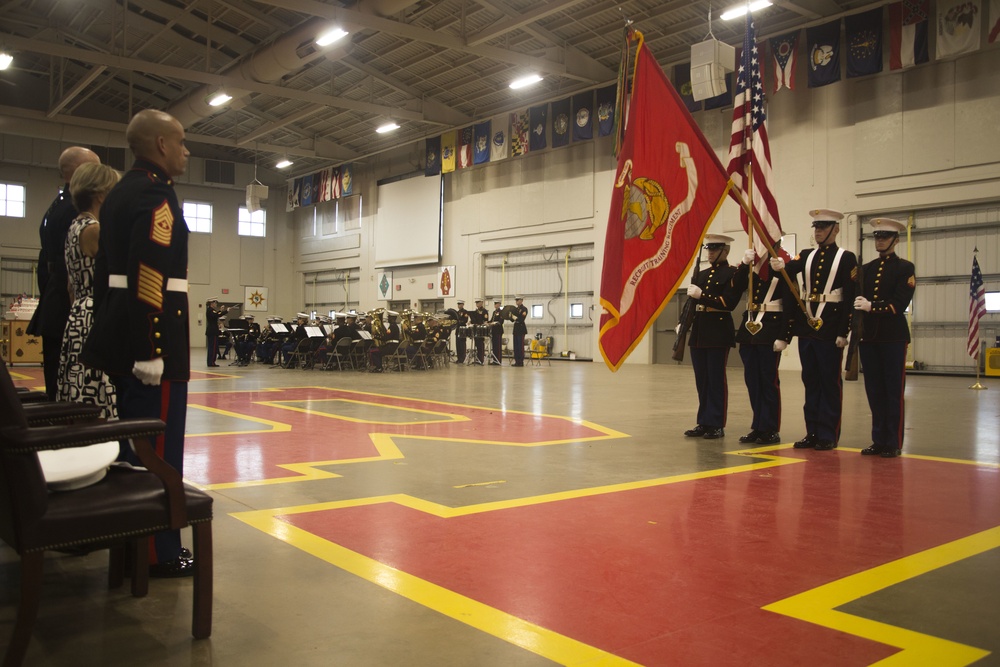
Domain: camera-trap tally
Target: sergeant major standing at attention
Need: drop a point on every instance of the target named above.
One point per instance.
(712, 337)
(141, 335)
(828, 287)
(888, 287)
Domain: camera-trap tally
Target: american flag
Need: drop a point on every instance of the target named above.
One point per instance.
(977, 307)
(749, 146)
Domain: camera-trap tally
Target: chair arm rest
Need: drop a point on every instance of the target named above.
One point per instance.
(173, 485)
(38, 414)
(32, 396)
(14, 440)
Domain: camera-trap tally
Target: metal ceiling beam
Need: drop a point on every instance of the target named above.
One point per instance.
(811, 9)
(76, 90)
(190, 22)
(184, 74)
(514, 23)
(418, 34)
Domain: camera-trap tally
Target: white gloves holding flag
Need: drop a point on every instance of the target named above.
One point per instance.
(861, 303)
(780, 345)
(777, 264)
(841, 341)
(694, 292)
(749, 256)
(149, 372)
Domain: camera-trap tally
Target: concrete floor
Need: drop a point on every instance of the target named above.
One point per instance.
(340, 579)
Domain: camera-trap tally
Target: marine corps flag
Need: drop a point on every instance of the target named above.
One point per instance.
(669, 185)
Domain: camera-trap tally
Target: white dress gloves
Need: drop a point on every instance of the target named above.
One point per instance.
(777, 264)
(841, 341)
(694, 291)
(861, 303)
(749, 256)
(780, 345)
(149, 372)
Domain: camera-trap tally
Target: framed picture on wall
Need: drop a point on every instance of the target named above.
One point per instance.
(446, 281)
(255, 298)
(383, 285)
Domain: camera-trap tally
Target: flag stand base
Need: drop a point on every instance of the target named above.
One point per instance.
(978, 386)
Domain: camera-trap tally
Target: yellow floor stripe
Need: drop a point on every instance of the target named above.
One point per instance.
(819, 605)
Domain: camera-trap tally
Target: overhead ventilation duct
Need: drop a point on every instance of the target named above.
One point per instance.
(287, 54)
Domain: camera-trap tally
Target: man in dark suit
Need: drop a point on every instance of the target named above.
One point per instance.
(828, 279)
(889, 283)
(762, 336)
(520, 330)
(712, 337)
(141, 335)
(49, 320)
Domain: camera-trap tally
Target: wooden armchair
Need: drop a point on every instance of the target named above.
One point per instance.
(125, 507)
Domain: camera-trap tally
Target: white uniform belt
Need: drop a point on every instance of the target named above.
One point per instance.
(119, 281)
(828, 298)
(769, 307)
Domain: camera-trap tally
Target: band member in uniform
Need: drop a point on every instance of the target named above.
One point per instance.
(496, 334)
(888, 287)
(520, 330)
(828, 276)
(478, 317)
(711, 337)
(301, 320)
(248, 341)
(212, 315)
(463, 321)
(141, 336)
(763, 334)
(392, 331)
(269, 342)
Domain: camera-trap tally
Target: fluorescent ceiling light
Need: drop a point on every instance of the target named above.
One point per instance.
(284, 164)
(741, 10)
(219, 99)
(331, 36)
(525, 81)
(388, 127)
(5, 60)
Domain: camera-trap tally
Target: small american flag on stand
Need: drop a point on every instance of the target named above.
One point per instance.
(977, 307)
(749, 146)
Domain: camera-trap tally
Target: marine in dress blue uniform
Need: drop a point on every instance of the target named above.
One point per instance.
(141, 336)
(889, 283)
(496, 334)
(828, 289)
(212, 315)
(711, 337)
(520, 330)
(762, 336)
(460, 339)
(478, 317)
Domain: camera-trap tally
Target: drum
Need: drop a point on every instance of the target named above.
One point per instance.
(462, 332)
(77, 467)
(481, 330)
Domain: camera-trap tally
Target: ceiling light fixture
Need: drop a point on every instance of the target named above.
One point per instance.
(388, 127)
(219, 99)
(741, 10)
(331, 36)
(525, 81)
(284, 163)
(5, 60)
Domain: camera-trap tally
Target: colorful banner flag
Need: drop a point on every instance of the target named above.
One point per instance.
(500, 144)
(560, 123)
(292, 201)
(823, 49)
(324, 185)
(465, 137)
(682, 83)
(536, 127)
(783, 57)
(432, 163)
(335, 183)
(958, 27)
(750, 149)
(908, 33)
(346, 180)
(306, 193)
(606, 109)
(519, 133)
(583, 116)
(994, 22)
(481, 143)
(864, 43)
(669, 185)
(977, 307)
(448, 152)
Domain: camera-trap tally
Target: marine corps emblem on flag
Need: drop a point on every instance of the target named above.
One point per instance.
(163, 225)
(644, 205)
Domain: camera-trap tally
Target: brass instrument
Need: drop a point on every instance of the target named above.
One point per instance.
(406, 338)
(378, 328)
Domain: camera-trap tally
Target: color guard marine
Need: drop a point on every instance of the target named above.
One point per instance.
(828, 287)
(712, 336)
(888, 286)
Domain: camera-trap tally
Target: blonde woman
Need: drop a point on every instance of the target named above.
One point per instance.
(89, 186)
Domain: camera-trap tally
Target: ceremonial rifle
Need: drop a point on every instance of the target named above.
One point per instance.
(687, 317)
(857, 329)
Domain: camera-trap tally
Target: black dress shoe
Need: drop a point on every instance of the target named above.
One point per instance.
(713, 433)
(768, 438)
(751, 436)
(890, 453)
(824, 445)
(807, 442)
(695, 432)
(171, 569)
(871, 450)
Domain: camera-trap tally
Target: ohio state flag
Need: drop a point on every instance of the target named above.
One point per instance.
(668, 187)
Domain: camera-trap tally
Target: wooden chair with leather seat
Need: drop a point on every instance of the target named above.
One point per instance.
(125, 507)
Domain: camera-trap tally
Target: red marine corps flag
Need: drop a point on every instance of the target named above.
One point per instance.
(668, 187)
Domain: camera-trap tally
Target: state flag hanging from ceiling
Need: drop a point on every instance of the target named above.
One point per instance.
(560, 123)
(823, 50)
(668, 187)
(784, 58)
(994, 22)
(346, 180)
(583, 116)
(908, 33)
(606, 109)
(432, 164)
(958, 27)
(306, 198)
(464, 153)
(448, 152)
(519, 132)
(536, 127)
(481, 143)
(864, 43)
(324, 185)
(500, 142)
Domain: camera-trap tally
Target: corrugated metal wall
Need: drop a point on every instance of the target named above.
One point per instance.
(553, 278)
(337, 289)
(941, 244)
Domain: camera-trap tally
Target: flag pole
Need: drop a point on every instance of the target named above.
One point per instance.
(979, 344)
